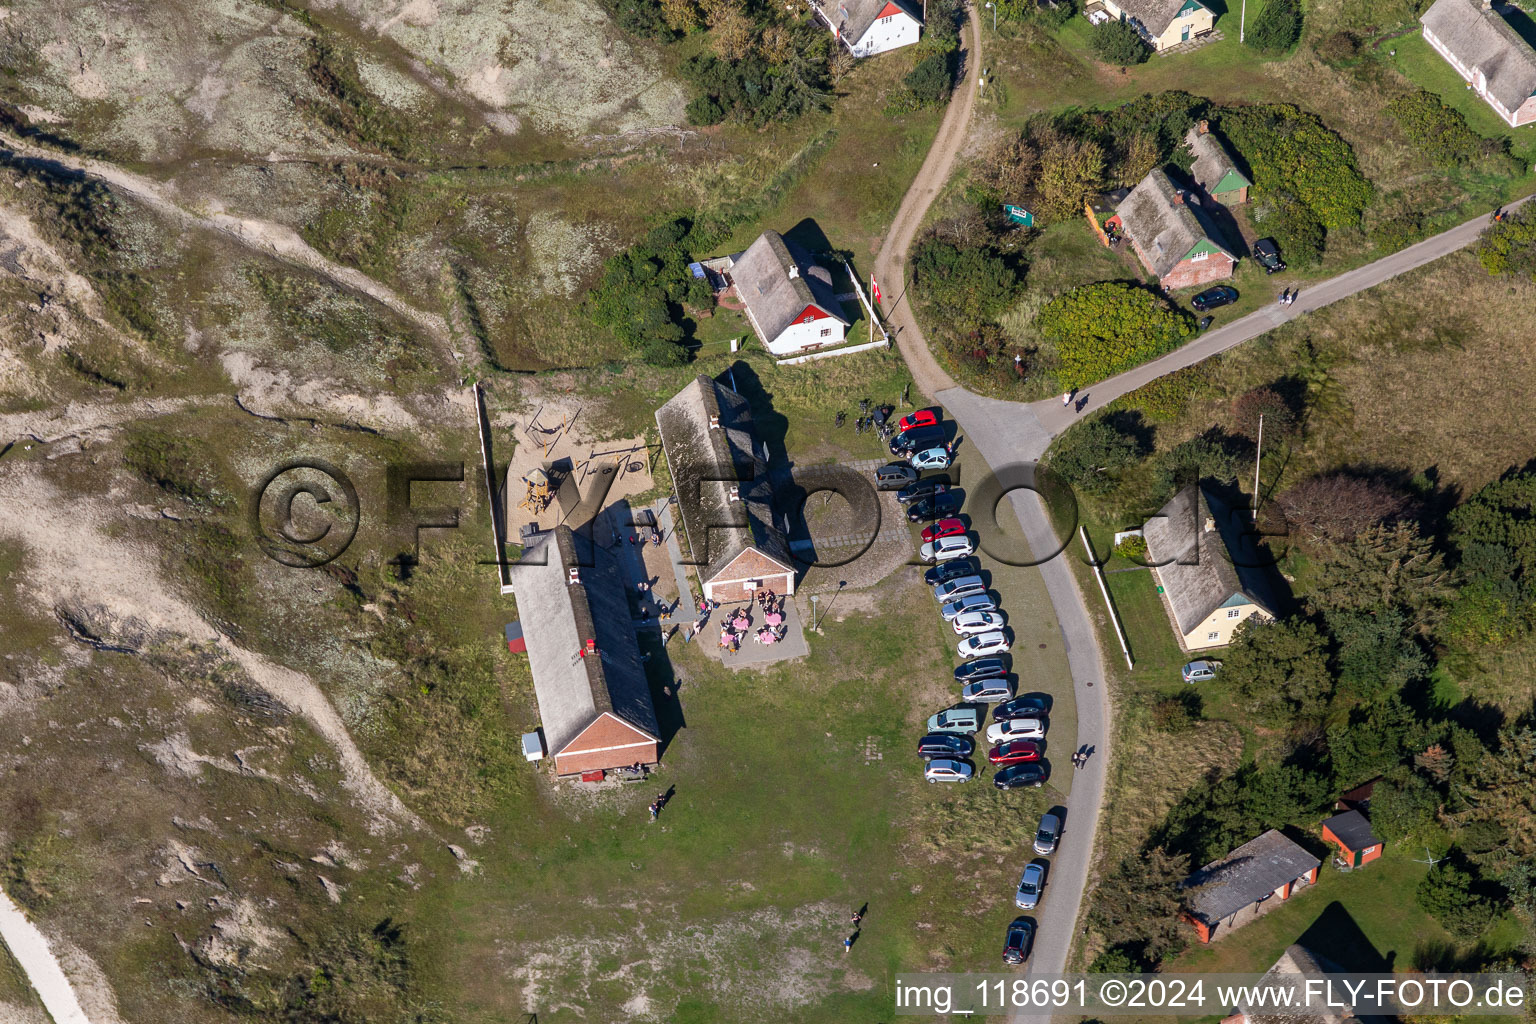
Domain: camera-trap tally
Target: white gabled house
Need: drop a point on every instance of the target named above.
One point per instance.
(868, 27)
(787, 295)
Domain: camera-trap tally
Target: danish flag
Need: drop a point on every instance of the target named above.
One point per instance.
(874, 288)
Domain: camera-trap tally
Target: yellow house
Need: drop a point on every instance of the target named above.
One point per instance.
(1190, 545)
(1162, 23)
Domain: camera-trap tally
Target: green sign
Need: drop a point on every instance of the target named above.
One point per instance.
(1019, 215)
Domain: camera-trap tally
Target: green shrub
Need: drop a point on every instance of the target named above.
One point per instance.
(1090, 452)
(704, 110)
(1447, 894)
(1117, 42)
(1300, 234)
(1176, 713)
(640, 294)
(1132, 548)
(1277, 27)
(966, 285)
(1169, 395)
(1293, 154)
(930, 81)
(1104, 328)
(1509, 246)
(1437, 130)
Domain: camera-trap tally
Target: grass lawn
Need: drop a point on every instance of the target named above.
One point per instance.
(15, 990)
(1418, 61)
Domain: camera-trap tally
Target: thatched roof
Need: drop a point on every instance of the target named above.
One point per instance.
(1483, 41)
(1214, 169)
(1242, 877)
(1155, 15)
(1190, 541)
(776, 280)
(1167, 226)
(1296, 964)
(559, 617)
(707, 434)
(853, 17)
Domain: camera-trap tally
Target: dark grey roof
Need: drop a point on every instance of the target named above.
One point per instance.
(1255, 869)
(1297, 962)
(1353, 830)
(777, 279)
(1482, 40)
(854, 17)
(1212, 160)
(1165, 225)
(1190, 541)
(704, 460)
(559, 617)
(1155, 15)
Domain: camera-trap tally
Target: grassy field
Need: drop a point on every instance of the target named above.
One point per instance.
(15, 990)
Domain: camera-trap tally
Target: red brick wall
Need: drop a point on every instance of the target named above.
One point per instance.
(1194, 273)
(1526, 112)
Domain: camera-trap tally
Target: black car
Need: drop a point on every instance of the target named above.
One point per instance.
(981, 668)
(916, 439)
(1021, 936)
(923, 489)
(935, 506)
(944, 744)
(1211, 298)
(1205, 322)
(1018, 776)
(951, 570)
(1268, 254)
(1029, 705)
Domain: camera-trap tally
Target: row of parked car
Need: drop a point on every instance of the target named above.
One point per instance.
(1021, 932)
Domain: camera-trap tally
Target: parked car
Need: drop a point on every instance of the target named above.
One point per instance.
(974, 603)
(986, 691)
(945, 548)
(916, 439)
(1020, 776)
(944, 528)
(961, 720)
(959, 586)
(935, 507)
(1200, 671)
(1021, 936)
(931, 458)
(943, 769)
(1031, 705)
(995, 642)
(1016, 729)
(1268, 254)
(1213, 298)
(893, 476)
(1030, 884)
(973, 623)
(1015, 752)
(1205, 322)
(920, 418)
(1048, 834)
(945, 744)
(981, 668)
(922, 489)
(942, 574)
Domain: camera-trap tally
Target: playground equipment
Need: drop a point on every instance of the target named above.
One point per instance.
(536, 499)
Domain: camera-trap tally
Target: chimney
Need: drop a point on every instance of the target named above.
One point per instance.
(714, 423)
(1205, 127)
(573, 575)
(1178, 198)
(794, 268)
(1210, 523)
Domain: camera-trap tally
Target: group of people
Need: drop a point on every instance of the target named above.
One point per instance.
(1080, 756)
(1288, 295)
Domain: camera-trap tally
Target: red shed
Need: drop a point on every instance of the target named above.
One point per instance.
(1351, 833)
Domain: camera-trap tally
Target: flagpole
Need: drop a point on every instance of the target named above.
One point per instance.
(871, 319)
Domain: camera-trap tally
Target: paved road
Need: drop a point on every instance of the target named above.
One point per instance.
(1055, 418)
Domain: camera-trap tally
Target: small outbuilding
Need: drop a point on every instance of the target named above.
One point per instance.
(1215, 170)
(1247, 883)
(1351, 832)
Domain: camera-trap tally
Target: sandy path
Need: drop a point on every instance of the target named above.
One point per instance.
(72, 562)
(276, 240)
(30, 948)
(54, 424)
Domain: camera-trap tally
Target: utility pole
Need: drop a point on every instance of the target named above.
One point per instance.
(1257, 455)
(1242, 22)
(994, 17)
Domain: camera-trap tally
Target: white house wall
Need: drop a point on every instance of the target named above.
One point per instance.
(901, 30)
(800, 336)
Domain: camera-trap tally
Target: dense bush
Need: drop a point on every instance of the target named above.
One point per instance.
(1212, 455)
(1448, 894)
(1089, 452)
(930, 81)
(641, 292)
(1293, 154)
(1339, 505)
(1277, 27)
(1438, 131)
(1509, 245)
(1118, 42)
(1495, 534)
(1170, 394)
(966, 284)
(757, 89)
(1280, 668)
(1101, 329)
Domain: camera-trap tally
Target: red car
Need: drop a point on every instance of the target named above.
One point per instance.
(943, 528)
(921, 418)
(1014, 752)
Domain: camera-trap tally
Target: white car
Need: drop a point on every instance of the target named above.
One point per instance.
(973, 603)
(946, 548)
(930, 458)
(995, 642)
(1016, 729)
(972, 623)
(942, 769)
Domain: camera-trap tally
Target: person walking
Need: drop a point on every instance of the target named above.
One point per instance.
(1284, 294)
(848, 944)
(655, 808)
(1292, 299)
(1066, 399)
(857, 917)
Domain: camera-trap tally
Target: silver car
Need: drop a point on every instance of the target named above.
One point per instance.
(973, 603)
(986, 691)
(1047, 835)
(965, 586)
(1030, 886)
(943, 769)
(972, 623)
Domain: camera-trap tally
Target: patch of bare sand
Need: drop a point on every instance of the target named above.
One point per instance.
(73, 561)
(272, 392)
